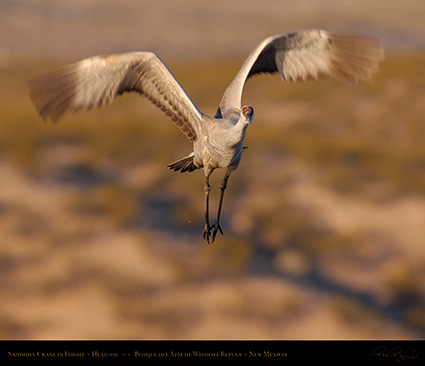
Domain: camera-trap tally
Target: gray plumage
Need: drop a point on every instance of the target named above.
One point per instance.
(217, 142)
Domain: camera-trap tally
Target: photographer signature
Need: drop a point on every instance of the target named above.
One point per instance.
(396, 353)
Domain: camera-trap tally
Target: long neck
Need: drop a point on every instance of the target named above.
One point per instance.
(233, 94)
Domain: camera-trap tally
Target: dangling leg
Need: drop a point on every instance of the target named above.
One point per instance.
(223, 185)
(207, 189)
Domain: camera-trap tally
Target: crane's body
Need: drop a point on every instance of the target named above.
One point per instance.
(217, 141)
(220, 142)
(219, 145)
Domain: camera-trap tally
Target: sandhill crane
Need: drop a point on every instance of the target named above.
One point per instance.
(217, 141)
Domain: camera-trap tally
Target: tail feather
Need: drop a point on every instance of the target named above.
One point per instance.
(184, 165)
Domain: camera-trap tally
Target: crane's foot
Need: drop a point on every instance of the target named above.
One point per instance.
(207, 232)
(217, 228)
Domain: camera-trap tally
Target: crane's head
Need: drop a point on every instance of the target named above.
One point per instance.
(248, 112)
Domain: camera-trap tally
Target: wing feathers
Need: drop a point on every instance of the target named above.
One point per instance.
(315, 55)
(300, 56)
(96, 82)
(306, 56)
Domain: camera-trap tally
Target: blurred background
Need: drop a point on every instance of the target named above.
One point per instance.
(324, 220)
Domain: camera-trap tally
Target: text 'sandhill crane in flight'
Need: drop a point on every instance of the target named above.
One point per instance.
(217, 141)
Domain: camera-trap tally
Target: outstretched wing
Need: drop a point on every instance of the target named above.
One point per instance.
(307, 55)
(97, 81)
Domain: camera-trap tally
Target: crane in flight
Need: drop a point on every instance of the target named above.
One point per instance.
(305, 55)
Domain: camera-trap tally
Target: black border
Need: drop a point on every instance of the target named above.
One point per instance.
(285, 352)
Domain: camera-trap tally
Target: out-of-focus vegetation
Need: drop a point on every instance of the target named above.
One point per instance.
(315, 214)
